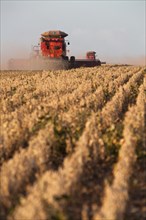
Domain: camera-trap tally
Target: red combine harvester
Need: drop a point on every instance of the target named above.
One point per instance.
(51, 54)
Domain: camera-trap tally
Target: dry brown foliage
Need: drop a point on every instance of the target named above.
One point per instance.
(63, 133)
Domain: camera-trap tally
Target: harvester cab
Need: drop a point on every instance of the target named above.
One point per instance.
(90, 55)
(53, 44)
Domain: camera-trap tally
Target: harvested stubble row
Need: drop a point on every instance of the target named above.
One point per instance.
(57, 184)
(52, 98)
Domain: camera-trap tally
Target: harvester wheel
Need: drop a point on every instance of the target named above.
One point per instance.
(66, 58)
(99, 63)
(72, 59)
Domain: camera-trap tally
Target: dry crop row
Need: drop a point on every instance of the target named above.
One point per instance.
(116, 194)
(26, 118)
(52, 167)
(14, 180)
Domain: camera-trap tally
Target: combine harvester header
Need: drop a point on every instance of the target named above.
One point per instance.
(51, 54)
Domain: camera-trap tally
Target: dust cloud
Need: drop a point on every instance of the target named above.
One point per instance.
(23, 58)
(7, 55)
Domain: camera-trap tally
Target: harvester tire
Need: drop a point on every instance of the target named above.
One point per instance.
(72, 59)
(66, 58)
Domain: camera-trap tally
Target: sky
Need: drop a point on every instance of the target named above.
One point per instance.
(114, 29)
